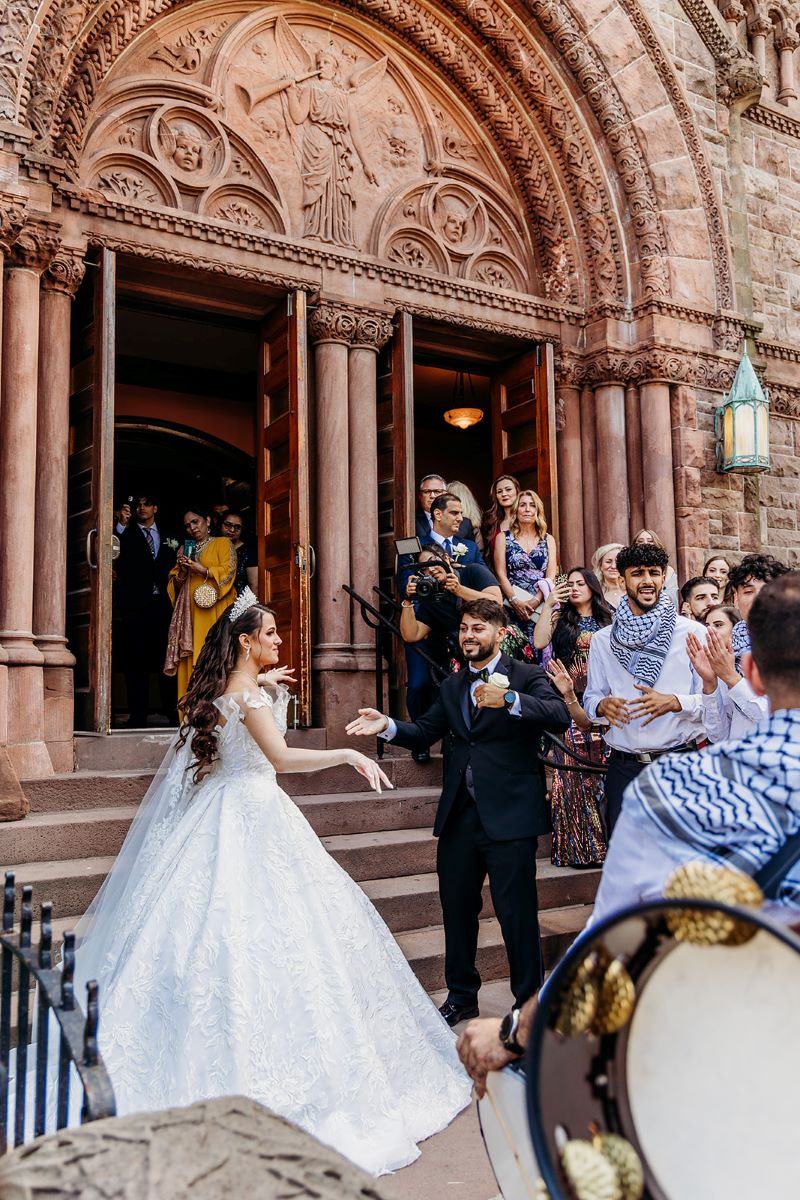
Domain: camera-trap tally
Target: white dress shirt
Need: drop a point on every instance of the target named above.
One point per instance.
(513, 710)
(607, 677)
(730, 713)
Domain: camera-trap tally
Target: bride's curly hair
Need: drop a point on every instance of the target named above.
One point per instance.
(209, 680)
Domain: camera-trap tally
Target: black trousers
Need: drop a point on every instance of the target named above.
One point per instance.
(144, 634)
(465, 856)
(621, 772)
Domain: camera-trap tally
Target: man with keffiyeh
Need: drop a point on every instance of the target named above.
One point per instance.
(736, 804)
(640, 680)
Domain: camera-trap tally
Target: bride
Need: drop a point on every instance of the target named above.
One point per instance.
(234, 956)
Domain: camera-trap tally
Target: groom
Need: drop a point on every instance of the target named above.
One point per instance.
(493, 805)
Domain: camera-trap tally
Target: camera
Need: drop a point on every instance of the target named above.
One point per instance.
(427, 586)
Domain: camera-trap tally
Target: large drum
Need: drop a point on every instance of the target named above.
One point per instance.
(674, 1028)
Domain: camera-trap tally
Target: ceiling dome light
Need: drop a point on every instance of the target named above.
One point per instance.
(463, 418)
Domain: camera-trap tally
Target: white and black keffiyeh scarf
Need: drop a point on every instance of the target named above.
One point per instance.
(735, 803)
(640, 644)
(741, 642)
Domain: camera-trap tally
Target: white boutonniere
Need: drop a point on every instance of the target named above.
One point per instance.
(499, 680)
(458, 550)
(172, 543)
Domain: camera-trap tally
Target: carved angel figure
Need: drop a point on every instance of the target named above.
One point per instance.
(319, 108)
(187, 148)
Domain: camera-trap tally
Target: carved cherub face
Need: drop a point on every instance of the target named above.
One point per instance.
(188, 152)
(455, 227)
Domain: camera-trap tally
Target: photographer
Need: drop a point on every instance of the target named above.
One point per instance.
(434, 595)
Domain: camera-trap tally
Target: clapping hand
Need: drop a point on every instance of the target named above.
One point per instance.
(699, 659)
(368, 723)
(720, 655)
(615, 711)
(277, 675)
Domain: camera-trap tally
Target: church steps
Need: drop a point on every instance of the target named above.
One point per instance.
(424, 948)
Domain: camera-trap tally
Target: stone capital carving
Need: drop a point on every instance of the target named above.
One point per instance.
(787, 39)
(372, 331)
(35, 247)
(332, 323)
(740, 82)
(733, 11)
(65, 273)
(759, 25)
(12, 218)
(569, 370)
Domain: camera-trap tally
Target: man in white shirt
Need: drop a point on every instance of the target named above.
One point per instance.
(644, 646)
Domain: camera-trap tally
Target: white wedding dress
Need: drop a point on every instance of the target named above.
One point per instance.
(235, 956)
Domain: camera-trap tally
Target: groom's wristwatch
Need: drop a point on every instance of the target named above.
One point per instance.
(508, 1033)
(509, 698)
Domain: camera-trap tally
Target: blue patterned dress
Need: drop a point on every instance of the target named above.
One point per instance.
(524, 570)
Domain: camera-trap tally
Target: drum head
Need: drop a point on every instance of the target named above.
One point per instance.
(504, 1125)
(700, 1079)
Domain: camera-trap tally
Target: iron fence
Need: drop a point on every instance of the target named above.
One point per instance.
(43, 991)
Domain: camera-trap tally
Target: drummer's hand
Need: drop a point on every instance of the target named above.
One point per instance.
(481, 1051)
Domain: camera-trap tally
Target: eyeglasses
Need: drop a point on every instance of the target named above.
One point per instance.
(231, 528)
(432, 491)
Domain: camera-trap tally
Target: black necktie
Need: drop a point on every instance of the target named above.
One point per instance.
(151, 542)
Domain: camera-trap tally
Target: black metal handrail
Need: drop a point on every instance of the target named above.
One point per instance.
(375, 619)
(54, 993)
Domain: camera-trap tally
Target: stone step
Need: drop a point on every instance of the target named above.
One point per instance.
(424, 948)
(412, 901)
(101, 789)
(405, 902)
(143, 749)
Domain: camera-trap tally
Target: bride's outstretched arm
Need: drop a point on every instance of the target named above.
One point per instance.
(261, 726)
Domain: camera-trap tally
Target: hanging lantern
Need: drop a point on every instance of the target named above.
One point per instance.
(463, 417)
(741, 423)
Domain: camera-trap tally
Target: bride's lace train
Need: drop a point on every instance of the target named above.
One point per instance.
(242, 959)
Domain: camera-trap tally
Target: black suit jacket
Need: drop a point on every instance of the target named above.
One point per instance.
(502, 750)
(465, 529)
(137, 571)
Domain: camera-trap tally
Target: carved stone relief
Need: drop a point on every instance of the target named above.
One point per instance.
(292, 126)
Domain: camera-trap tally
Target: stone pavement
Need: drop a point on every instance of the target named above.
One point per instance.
(453, 1164)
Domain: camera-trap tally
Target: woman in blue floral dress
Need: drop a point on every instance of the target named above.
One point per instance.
(523, 559)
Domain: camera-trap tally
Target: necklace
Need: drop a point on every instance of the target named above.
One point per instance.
(200, 547)
(247, 675)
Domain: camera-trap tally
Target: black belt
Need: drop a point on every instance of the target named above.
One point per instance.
(648, 756)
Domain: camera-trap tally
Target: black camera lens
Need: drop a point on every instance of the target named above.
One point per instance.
(426, 586)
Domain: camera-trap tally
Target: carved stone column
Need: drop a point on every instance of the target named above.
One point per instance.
(60, 282)
(371, 333)
(591, 519)
(786, 44)
(612, 464)
(659, 496)
(733, 13)
(33, 250)
(758, 27)
(633, 443)
(570, 467)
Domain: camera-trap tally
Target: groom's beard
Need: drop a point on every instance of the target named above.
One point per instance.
(479, 653)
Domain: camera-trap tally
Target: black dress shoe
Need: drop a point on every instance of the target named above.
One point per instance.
(421, 756)
(453, 1013)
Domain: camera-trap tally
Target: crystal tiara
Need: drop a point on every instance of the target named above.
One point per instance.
(246, 599)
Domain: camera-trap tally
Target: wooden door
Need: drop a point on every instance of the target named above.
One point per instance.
(396, 490)
(523, 426)
(90, 518)
(285, 555)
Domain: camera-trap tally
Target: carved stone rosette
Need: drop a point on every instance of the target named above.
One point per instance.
(65, 273)
(35, 247)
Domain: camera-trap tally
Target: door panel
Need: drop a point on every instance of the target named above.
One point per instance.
(90, 496)
(396, 492)
(285, 556)
(522, 425)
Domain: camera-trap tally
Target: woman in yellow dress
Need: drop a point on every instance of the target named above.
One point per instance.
(201, 589)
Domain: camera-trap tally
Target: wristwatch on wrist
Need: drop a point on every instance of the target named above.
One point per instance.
(509, 698)
(508, 1033)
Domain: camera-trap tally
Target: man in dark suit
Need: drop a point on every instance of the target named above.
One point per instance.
(430, 487)
(145, 561)
(446, 521)
(493, 806)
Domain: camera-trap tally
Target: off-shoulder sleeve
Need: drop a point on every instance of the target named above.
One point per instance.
(235, 706)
